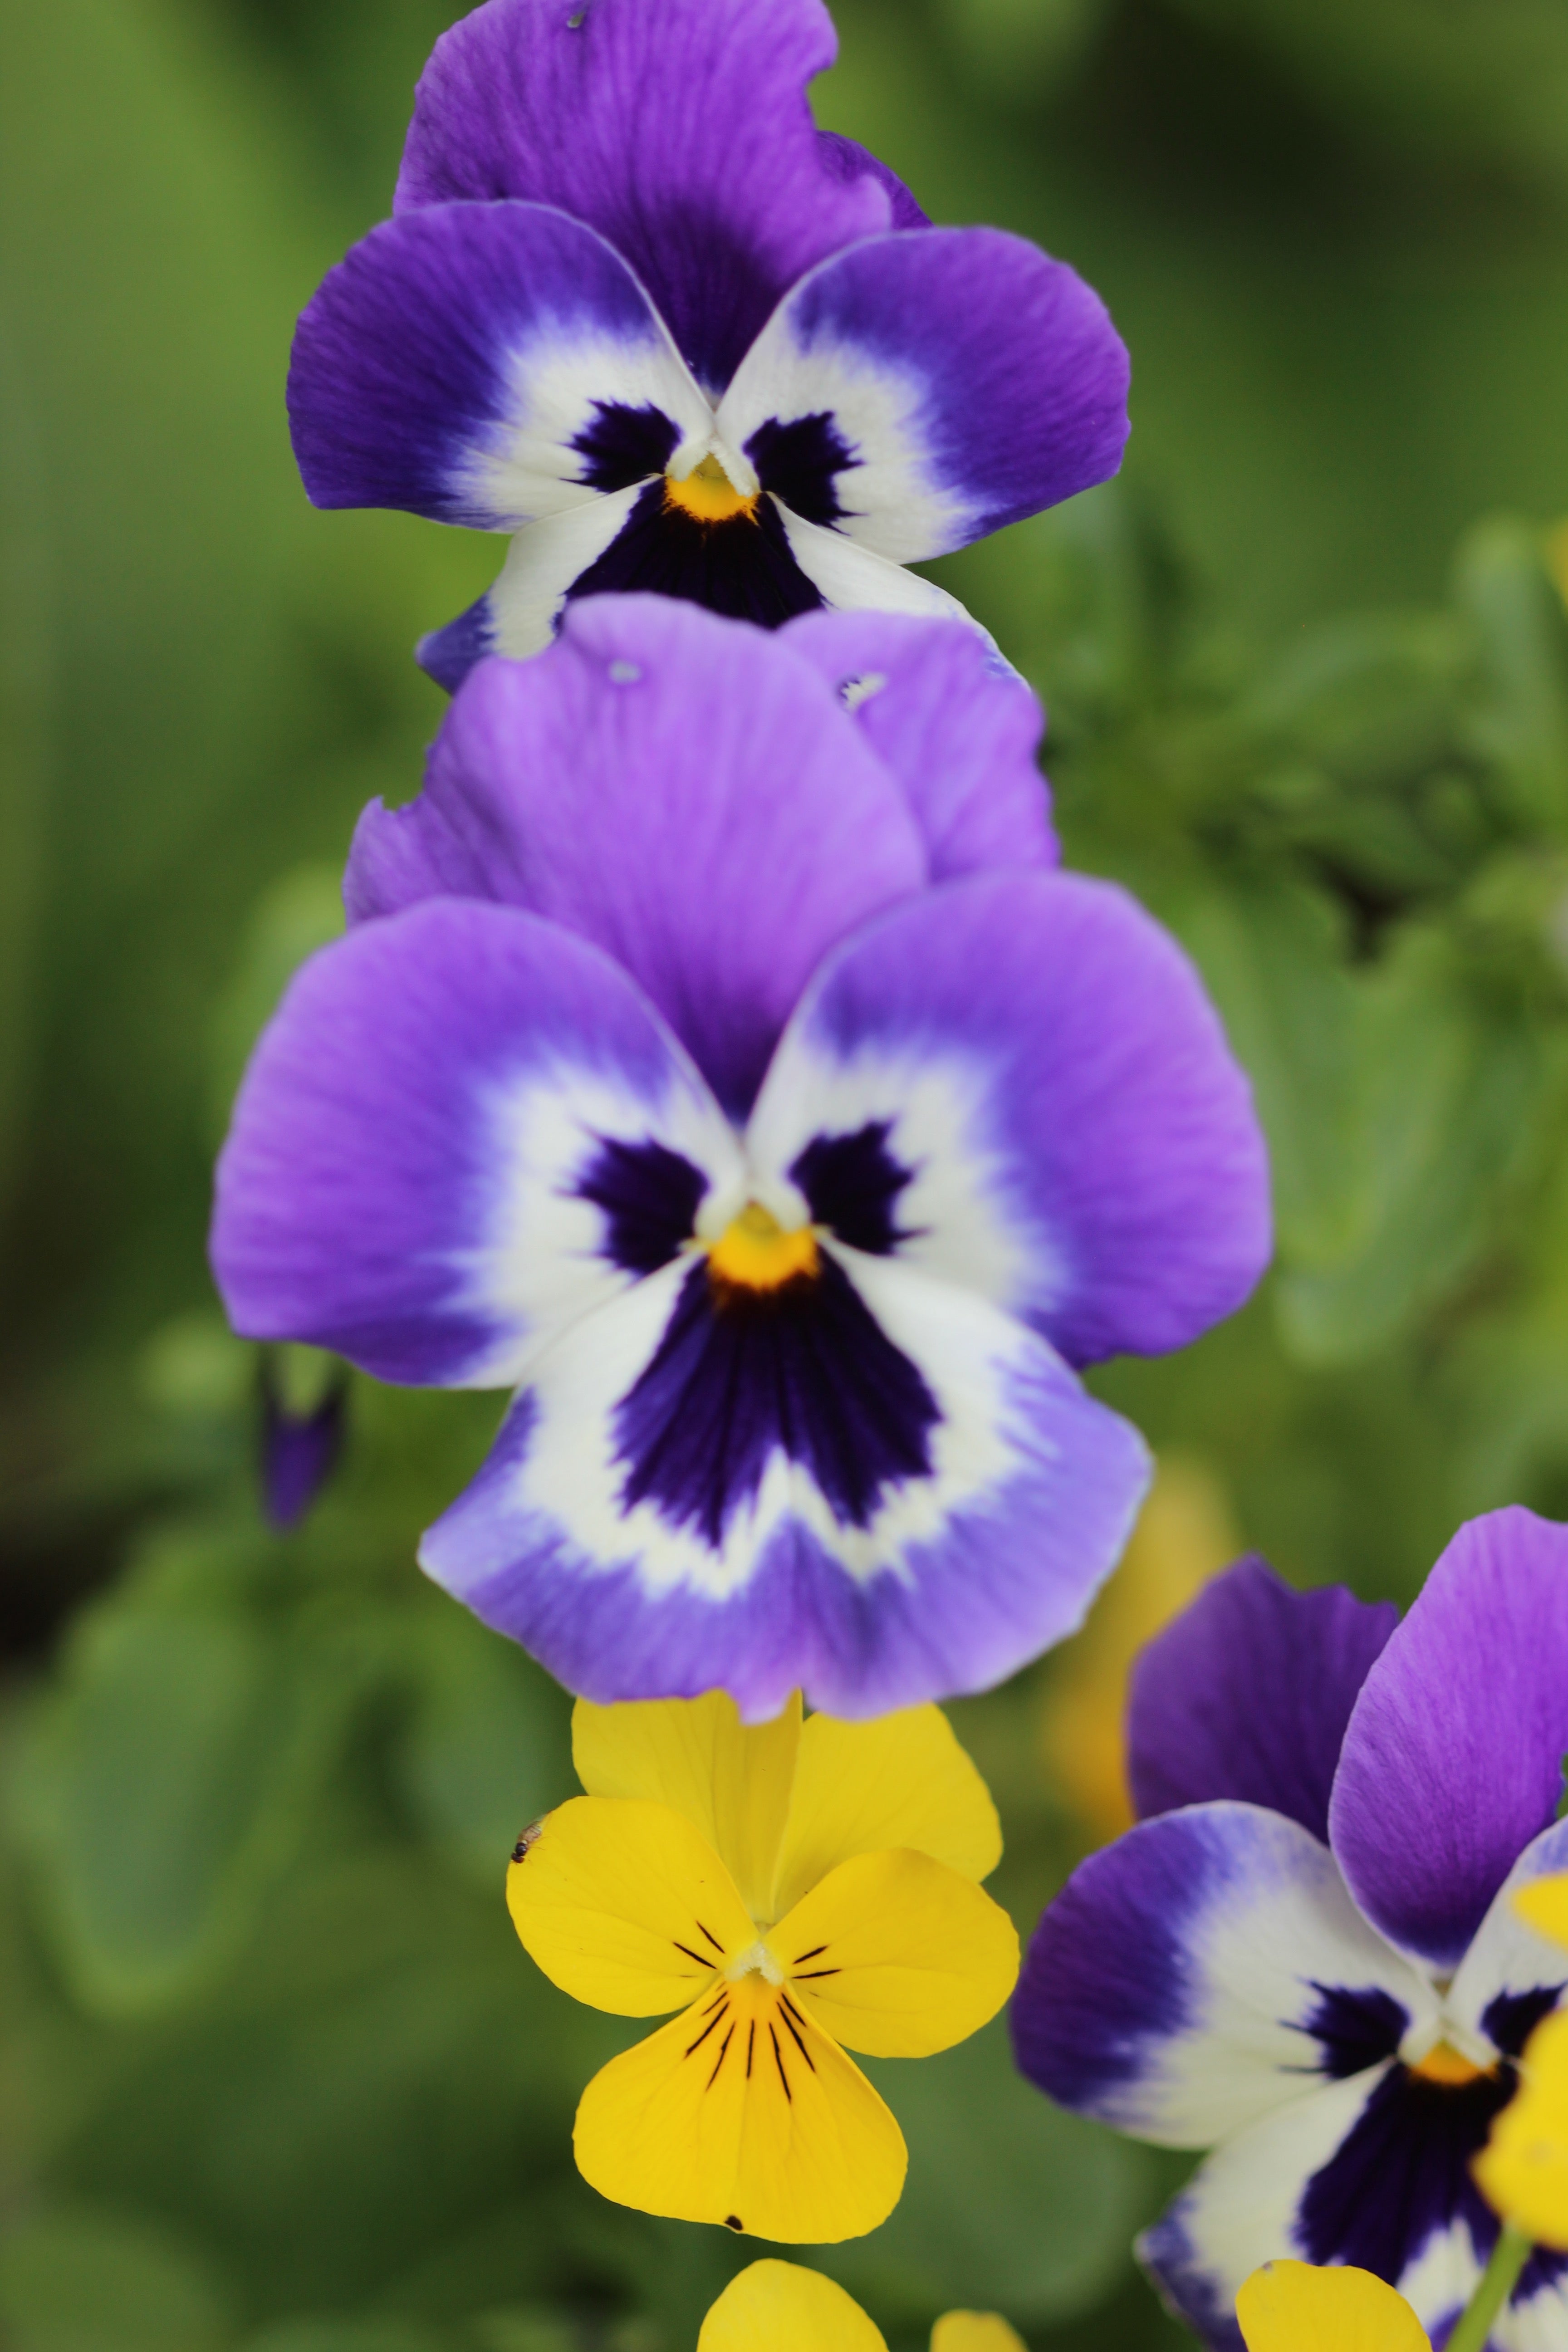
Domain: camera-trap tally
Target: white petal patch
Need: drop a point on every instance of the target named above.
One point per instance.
(541, 564)
(544, 1260)
(961, 1208)
(979, 1366)
(1507, 1956)
(558, 385)
(892, 499)
(855, 579)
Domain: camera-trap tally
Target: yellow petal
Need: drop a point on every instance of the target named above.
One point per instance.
(1294, 2307)
(896, 1955)
(730, 1779)
(1522, 2171)
(1544, 1905)
(743, 2112)
(974, 2331)
(779, 2307)
(862, 1788)
(625, 1906)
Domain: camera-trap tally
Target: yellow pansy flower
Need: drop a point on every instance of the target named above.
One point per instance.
(793, 1888)
(779, 2307)
(1297, 2307)
(1522, 2171)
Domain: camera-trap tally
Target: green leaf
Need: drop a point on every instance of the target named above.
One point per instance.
(93, 2281)
(1011, 2205)
(347, 2335)
(1521, 723)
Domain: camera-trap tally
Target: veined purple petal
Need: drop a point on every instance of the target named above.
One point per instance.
(1206, 1968)
(1039, 1059)
(678, 129)
(685, 792)
(847, 159)
(1453, 1760)
(958, 732)
(1247, 1694)
(917, 391)
(485, 364)
(879, 1507)
(462, 1129)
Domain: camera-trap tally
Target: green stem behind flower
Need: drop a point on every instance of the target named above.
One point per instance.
(1496, 2283)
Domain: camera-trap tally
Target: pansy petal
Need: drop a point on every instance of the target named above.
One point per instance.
(1453, 1760)
(680, 129)
(850, 578)
(653, 1523)
(897, 1956)
(732, 1779)
(749, 2117)
(484, 364)
(1512, 1974)
(847, 159)
(625, 1905)
(682, 790)
(917, 391)
(1061, 1123)
(975, 2331)
(1202, 1970)
(1289, 2307)
(899, 1780)
(1247, 1694)
(780, 2307)
(959, 733)
(463, 1129)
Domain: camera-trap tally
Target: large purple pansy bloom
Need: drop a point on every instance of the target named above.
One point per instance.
(1312, 1966)
(719, 1059)
(634, 308)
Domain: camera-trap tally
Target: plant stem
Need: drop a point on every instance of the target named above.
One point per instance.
(1496, 2283)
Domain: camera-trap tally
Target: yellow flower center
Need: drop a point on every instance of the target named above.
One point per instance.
(754, 1251)
(708, 494)
(1443, 2064)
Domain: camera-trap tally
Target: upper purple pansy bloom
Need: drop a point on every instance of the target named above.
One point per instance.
(635, 308)
(1313, 1965)
(784, 1128)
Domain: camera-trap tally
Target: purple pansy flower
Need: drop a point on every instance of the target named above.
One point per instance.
(634, 308)
(784, 1129)
(1312, 1965)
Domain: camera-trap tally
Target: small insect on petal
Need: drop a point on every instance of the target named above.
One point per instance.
(529, 1838)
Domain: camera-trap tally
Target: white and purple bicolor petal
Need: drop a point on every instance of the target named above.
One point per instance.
(531, 1137)
(634, 309)
(1308, 1959)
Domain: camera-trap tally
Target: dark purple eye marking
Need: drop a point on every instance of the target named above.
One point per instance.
(741, 1373)
(851, 1183)
(649, 1196)
(1354, 2030)
(742, 568)
(800, 462)
(625, 445)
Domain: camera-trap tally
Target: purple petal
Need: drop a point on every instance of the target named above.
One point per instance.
(1247, 1694)
(681, 790)
(299, 1451)
(958, 732)
(1070, 1134)
(1453, 1760)
(718, 1544)
(484, 364)
(678, 129)
(940, 386)
(846, 159)
(1510, 1977)
(410, 1176)
(1201, 1971)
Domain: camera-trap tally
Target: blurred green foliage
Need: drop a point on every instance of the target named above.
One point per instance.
(274, 2074)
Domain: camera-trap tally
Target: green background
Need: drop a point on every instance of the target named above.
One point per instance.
(274, 2074)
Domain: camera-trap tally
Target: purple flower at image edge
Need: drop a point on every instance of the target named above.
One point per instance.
(1306, 1957)
(719, 1059)
(634, 308)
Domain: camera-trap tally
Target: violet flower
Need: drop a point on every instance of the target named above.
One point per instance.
(1313, 1965)
(784, 1135)
(635, 308)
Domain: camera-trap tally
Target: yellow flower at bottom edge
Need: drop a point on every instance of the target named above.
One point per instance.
(779, 2307)
(1522, 2171)
(794, 1889)
(1297, 2307)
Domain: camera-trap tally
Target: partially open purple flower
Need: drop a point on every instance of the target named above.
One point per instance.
(635, 308)
(783, 1135)
(1313, 1965)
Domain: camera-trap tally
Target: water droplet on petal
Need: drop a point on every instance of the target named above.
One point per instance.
(623, 673)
